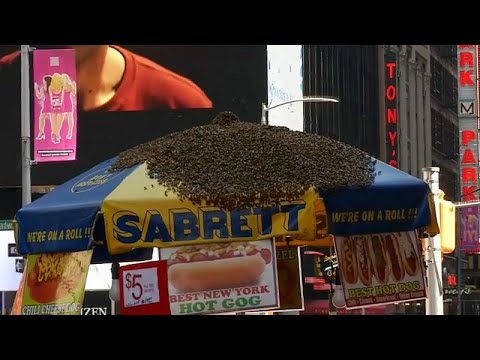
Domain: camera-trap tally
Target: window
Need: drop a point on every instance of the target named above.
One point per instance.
(446, 52)
(448, 182)
(443, 85)
(444, 136)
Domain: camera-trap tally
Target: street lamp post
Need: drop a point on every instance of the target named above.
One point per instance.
(25, 125)
(264, 121)
(311, 99)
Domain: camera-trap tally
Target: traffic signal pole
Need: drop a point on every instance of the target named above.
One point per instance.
(433, 253)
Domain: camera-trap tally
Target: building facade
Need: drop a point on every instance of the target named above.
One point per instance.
(405, 101)
(398, 103)
(444, 117)
(347, 72)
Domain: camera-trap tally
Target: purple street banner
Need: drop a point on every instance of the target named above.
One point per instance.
(469, 228)
(54, 105)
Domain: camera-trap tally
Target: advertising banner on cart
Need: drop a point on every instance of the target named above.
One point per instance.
(55, 283)
(144, 289)
(290, 281)
(223, 277)
(381, 268)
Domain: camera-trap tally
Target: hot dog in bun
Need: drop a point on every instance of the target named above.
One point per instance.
(408, 253)
(216, 266)
(379, 260)
(349, 261)
(363, 260)
(391, 244)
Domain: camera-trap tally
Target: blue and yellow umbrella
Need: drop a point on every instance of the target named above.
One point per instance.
(126, 214)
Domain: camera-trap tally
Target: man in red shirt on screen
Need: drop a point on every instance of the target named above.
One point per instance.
(111, 78)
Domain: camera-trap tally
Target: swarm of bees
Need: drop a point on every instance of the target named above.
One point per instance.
(234, 164)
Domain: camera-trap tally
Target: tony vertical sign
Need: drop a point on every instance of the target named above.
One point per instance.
(391, 114)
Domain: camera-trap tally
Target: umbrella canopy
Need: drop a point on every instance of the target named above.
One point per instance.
(127, 210)
(396, 201)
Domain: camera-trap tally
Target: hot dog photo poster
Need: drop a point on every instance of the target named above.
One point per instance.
(222, 277)
(381, 268)
(55, 283)
(290, 282)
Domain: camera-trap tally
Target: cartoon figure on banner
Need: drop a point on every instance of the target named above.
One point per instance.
(57, 96)
(71, 90)
(40, 93)
(470, 228)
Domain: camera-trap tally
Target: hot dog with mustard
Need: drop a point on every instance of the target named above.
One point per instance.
(216, 266)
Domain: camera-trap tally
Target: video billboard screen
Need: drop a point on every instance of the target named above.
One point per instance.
(131, 94)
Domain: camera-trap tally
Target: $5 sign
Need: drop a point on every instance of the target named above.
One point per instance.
(132, 283)
(140, 287)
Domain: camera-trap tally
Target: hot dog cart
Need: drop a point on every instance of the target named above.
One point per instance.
(120, 215)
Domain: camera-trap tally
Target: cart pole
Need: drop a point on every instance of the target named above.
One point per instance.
(433, 253)
(4, 307)
(25, 125)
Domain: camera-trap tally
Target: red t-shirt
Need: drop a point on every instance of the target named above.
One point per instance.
(146, 86)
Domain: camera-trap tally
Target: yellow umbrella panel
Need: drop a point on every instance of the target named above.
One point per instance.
(140, 213)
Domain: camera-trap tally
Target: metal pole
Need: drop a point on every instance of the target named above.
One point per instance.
(25, 126)
(459, 269)
(433, 255)
(421, 120)
(381, 99)
(402, 109)
(309, 99)
(4, 307)
(466, 204)
(113, 305)
(263, 121)
(427, 114)
(412, 105)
